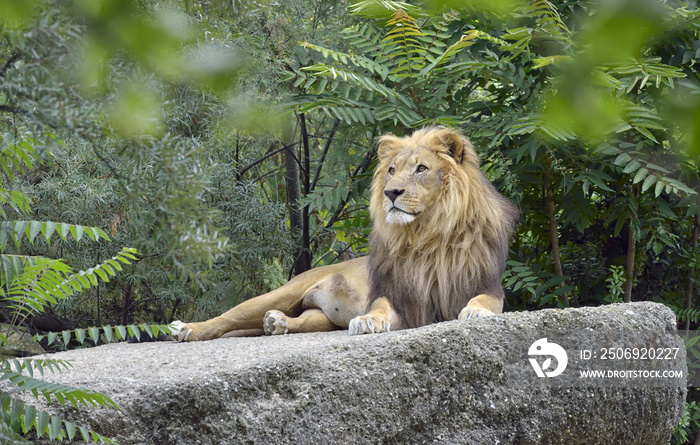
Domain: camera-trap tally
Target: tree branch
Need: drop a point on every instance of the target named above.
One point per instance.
(362, 169)
(267, 156)
(323, 155)
(13, 58)
(11, 109)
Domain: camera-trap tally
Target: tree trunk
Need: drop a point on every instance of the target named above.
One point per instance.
(631, 252)
(128, 297)
(691, 274)
(305, 258)
(302, 257)
(554, 233)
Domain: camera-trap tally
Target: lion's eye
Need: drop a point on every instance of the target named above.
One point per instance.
(392, 170)
(421, 168)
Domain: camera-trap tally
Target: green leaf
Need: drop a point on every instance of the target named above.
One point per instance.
(631, 167)
(65, 230)
(80, 335)
(108, 333)
(35, 228)
(47, 229)
(641, 174)
(135, 332)
(102, 274)
(648, 182)
(29, 418)
(84, 433)
(77, 232)
(42, 422)
(94, 334)
(563, 290)
(70, 430)
(55, 427)
(66, 337)
(121, 332)
(622, 159)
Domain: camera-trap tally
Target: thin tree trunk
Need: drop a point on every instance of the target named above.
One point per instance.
(305, 259)
(691, 275)
(302, 259)
(631, 252)
(127, 303)
(99, 318)
(554, 233)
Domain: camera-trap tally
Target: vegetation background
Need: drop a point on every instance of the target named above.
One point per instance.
(232, 144)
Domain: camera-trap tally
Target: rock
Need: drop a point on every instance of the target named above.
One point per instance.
(457, 383)
(19, 343)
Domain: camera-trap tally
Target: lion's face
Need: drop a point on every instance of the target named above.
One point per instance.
(413, 183)
(414, 173)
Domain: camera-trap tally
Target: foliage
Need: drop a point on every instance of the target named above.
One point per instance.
(156, 121)
(689, 423)
(616, 283)
(18, 418)
(508, 83)
(108, 333)
(402, 76)
(542, 286)
(28, 285)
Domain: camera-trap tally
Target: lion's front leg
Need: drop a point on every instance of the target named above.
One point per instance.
(382, 317)
(483, 305)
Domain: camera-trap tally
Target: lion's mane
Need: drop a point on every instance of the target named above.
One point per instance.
(431, 268)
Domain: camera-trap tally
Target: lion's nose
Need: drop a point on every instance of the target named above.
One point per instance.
(393, 193)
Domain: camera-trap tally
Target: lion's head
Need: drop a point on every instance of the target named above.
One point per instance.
(415, 172)
(440, 231)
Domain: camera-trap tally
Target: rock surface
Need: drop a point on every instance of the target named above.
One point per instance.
(18, 344)
(457, 383)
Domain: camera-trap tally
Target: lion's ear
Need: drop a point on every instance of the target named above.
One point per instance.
(460, 148)
(454, 143)
(387, 146)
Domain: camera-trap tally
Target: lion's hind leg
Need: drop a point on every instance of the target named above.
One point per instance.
(338, 298)
(327, 305)
(483, 305)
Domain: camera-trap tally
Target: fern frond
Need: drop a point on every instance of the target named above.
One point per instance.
(62, 393)
(542, 289)
(447, 55)
(33, 365)
(365, 82)
(17, 201)
(647, 173)
(367, 38)
(403, 42)
(16, 155)
(549, 22)
(382, 9)
(535, 122)
(25, 418)
(44, 281)
(110, 333)
(16, 231)
(685, 314)
(347, 59)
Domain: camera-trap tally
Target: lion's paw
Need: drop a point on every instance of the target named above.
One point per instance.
(180, 331)
(275, 323)
(474, 312)
(368, 324)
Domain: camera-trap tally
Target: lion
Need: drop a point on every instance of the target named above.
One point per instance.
(438, 248)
